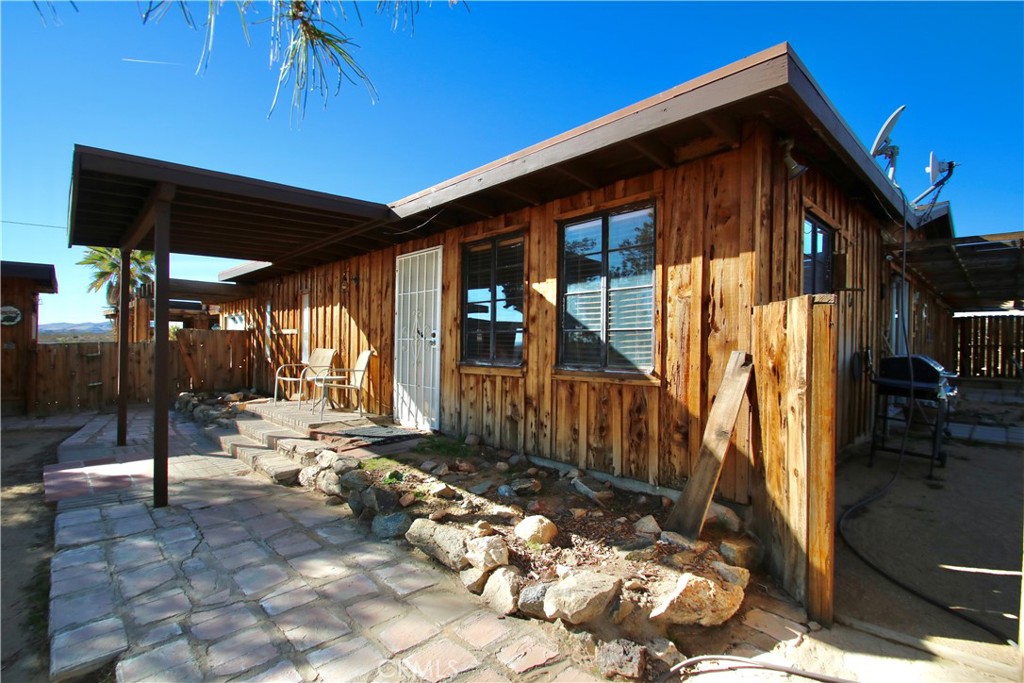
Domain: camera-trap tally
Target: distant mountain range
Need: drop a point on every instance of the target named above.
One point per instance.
(76, 328)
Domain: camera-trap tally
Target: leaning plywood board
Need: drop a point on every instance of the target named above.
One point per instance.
(687, 517)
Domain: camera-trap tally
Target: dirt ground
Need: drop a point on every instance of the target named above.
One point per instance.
(955, 537)
(27, 546)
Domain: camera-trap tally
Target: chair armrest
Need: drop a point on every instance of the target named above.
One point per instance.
(289, 365)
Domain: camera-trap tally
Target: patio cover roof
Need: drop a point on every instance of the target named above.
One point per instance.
(216, 214)
(978, 273)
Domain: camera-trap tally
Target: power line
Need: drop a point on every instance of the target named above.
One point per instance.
(36, 225)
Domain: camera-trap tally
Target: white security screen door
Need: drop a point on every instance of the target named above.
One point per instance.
(418, 339)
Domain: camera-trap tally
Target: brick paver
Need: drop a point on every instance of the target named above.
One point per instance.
(239, 579)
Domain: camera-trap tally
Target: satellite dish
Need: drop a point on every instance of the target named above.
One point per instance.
(936, 168)
(883, 144)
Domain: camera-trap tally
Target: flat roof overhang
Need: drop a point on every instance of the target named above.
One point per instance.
(44, 275)
(697, 118)
(216, 214)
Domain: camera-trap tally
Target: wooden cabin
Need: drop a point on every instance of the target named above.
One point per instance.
(578, 300)
(20, 287)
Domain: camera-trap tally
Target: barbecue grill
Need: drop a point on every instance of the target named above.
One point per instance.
(917, 379)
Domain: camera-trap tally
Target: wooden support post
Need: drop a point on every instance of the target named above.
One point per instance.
(161, 359)
(821, 465)
(687, 517)
(125, 285)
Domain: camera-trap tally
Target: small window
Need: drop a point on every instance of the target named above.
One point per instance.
(492, 301)
(606, 317)
(819, 243)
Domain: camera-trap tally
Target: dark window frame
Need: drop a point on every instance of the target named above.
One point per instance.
(493, 243)
(605, 216)
(811, 274)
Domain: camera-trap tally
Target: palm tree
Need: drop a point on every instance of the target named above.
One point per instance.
(106, 262)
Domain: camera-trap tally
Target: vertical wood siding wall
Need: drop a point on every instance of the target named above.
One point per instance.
(17, 343)
(729, 237)
(987, 346)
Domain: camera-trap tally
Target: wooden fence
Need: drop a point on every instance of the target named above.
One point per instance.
(987, 346)
(795, 360)
(83, 376)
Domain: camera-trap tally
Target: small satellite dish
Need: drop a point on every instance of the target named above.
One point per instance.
(883, 144)
(936, 168)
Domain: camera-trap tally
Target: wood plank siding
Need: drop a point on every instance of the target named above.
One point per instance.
(729, 238)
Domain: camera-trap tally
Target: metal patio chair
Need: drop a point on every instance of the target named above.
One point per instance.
(320, 361)
(343, 378)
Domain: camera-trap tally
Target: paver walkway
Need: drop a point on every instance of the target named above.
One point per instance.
(239, 579)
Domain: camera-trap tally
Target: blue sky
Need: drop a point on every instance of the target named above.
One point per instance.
(466, 88)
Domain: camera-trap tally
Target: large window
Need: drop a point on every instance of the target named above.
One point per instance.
(606, 319)
(819, 243)
(492, 301)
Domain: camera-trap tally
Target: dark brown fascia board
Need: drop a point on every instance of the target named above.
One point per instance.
(43, 274)
(92, 159)
(759, 73)
(833, 128)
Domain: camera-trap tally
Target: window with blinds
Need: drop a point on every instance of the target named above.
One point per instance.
(492, 301)
(606, 319)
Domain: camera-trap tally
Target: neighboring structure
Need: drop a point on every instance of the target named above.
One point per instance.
(578, 300)
(19, 329)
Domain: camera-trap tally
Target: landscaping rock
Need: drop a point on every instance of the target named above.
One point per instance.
(531, 599)
(343, 464)
(441, 470)
(501, 466)
(307, 476)
(647, 525)
(381, 501)
(664, 650)
(697, 600)
(505, 491)
(481, 488)
(465, 467)
(446, 544)
(428, 465)
(581, 597)
(474, 579)
(723, 516)
(502, 590)
(741, 552)
(326, 458)
(675, 539)
(355, 504)
(356, 480)
(736, 575)
(437, 515)
(536, 529)
(442, 490)
(525, 486)
(621, 658)
(593, 489)
(473, 440)
(517, 460)
(482, 528)
(487, 553)
(391, 525)
(328, 482)
(622, 610)
(407, 499)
